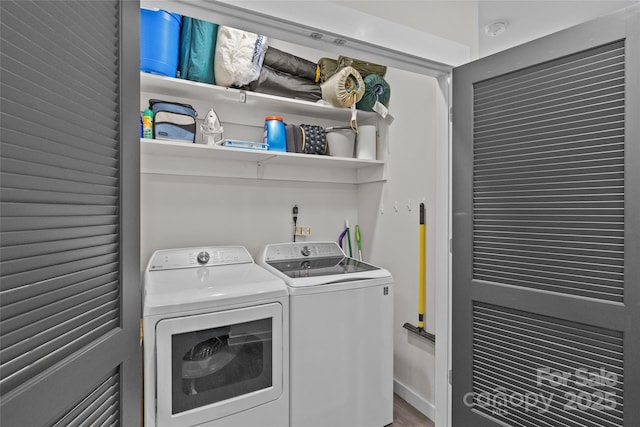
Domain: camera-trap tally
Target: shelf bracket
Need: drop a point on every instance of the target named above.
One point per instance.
(266, 159)
(260, 170)
(260, 166)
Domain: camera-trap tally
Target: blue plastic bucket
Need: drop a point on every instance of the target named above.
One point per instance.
(159, 41)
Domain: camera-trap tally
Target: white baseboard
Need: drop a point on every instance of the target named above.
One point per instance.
(415, 400)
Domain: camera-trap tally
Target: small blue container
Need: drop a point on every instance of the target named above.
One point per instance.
(159, 41)
(275, 134)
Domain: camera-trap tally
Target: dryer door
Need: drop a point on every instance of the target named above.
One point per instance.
(213, 365)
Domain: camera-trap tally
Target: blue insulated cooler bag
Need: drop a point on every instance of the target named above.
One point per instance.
(197, 50)
(172, 120)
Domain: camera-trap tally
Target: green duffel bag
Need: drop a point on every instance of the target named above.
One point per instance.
(326, 68)
(363, 67)
(197, 50)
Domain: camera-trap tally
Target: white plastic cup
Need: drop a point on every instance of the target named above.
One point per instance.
(366, 142)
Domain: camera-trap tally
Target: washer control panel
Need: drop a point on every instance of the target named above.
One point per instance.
(199, 257)
(287, 251)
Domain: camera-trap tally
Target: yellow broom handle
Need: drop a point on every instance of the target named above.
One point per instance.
(423, 281)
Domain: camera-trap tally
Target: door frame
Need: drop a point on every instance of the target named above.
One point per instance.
(131, 309)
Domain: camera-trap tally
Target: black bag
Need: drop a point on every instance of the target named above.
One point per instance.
(290, 64)
(314, 139)
(294, 138)
(279, 83)
(173, 120)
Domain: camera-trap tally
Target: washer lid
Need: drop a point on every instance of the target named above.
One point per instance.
(305, 264)
(178, 290)
(314, 267)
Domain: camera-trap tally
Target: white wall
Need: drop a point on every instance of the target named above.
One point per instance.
(252, 213)
(412, 176)
(194, 211)
(531, 19)
(185, 211)
(455, 20)
(181, 211)
(411, 166)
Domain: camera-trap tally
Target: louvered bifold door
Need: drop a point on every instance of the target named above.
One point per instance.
(68, 172)
(546, 283)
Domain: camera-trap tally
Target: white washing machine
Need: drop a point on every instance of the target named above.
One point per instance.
(216, 340)
(341, 335)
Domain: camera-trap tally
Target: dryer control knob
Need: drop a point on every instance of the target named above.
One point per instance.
(305, 251)
(203, 257)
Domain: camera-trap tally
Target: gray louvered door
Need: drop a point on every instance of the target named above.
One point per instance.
(69, 296)
(546, 231)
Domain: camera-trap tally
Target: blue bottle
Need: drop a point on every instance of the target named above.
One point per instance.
(274, 133)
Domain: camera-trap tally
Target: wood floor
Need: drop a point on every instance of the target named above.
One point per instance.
(405, 415)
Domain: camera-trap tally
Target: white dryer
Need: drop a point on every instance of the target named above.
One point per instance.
(216, 340)
(341, 335)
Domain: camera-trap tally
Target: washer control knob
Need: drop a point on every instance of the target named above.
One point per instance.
(305, 251)
(203, 257)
